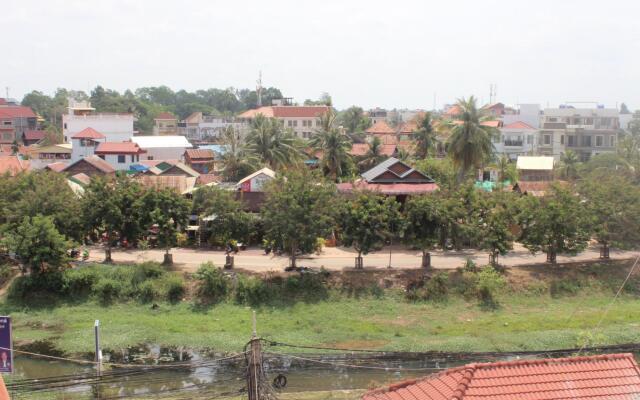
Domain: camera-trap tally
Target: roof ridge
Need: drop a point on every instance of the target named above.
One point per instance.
(551, 361)
(463, 384)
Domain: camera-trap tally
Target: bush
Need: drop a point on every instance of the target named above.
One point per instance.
(253, 291)
(489, 284)
(78, 283)
(470, 266)
(5, 274)
(107, 290)
(434, 289)
(148, 270)
(213, 285)
(564, 287)
(175, 289)
(147, 292)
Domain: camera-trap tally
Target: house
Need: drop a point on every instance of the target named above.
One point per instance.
(392, 177)
(586, 131)
(13, 165)
(179, 183)
(172, 168)
(163, 147)
(608, 376)
(202, 160)
(90, 166)
(361, 149)
(535, 169)
(41, 156)
(376, 115)
(302, 120)
(495, 110)
(15, 121)
(207, 127)
(120, 155)
(32, 137)
(116, 127)
(516, 139)
(165, 123)
(256, 181)
(85, 142)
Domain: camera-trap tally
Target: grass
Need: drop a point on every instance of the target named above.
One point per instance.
(523, 322)
(333, 395)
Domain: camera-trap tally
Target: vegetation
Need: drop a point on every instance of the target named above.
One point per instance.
(423, 225)
(271, 144)
(425, 137)
(333, 145)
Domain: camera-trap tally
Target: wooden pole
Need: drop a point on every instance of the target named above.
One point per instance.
(255, 364)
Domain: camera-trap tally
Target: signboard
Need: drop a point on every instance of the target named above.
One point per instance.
(6, 345)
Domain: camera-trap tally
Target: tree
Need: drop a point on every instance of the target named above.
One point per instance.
(102, 211)
(425, 137)
(366, 221)
(624, 109)
(569, 165)
(333, 145)
(354, 120)
(556, 223)
(373, 156)
(271, 144)
(38, 244)
(170, 211)
(235, 159)
(299, 209)
(324, 100)
(470, 141)
(496, 216)
(613, 208)
(423, 224)
(229, 221)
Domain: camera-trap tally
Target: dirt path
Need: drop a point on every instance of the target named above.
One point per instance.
(340, 258)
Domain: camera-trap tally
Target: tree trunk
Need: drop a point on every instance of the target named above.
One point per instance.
(292, 257)
(604, 251)
(168, 259)
(107, 250)
(551, 256)
(426, 259)
(493, 258)
(359, 263)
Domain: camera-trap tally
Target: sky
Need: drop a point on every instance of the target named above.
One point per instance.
(391, 54)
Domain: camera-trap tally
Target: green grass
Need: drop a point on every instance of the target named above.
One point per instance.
(523, 322)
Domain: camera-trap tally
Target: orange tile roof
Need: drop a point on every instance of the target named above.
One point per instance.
(611, 376)
(165, 115)
(13, 165)
(408, 127)
(118, 148)
(453, 111)
(56, 166)
(11, 112)
(380, 128)
(286, 112)
(96, 162)
(195, 154)
(205, 179)
(88, 133)
(518, 125)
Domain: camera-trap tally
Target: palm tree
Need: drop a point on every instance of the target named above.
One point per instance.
(333, 144)
(403, 154)
(569, 165)
(470, 142)
(236, 161)
(373, 156)
(271, 144)
(425, 137)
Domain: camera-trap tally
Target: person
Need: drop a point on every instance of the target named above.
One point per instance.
(4, 360)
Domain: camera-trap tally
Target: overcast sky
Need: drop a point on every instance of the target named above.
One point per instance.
(392, 53)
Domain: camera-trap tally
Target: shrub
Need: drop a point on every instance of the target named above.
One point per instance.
(149, 270)
(174, 289)
(470, 266)
(107, 290)
(78, 283)
(437, 288)
(212, 283)
(5, 274)
(489, 284)
(147, 292)
(564, 287)
(253, 291)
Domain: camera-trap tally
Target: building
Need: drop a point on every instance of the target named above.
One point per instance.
(494, 110)
(256, 181)
(608, 376)
(207, 127)
(535, 169)
(392, 177)
(120, 155)
(90, 166)
(163, 147)
(201, 160)
(15, 121)
(302, 120)
(84, 143)
(382, 131)
(32, 137)
(13, 165)
(377, 115)
(40, 157)
(516, 139)
(586, 131)
(165, 123)
(527, 113)
(116, 127)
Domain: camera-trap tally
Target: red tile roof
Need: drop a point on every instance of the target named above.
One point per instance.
(56, 166)
(165, 115)
(204, 179)
(199, 154)
(453, 111)
(380, 128)
(11, 112)
(286, 112)
(612, 377)
(388, 189)
(12, 165)
(88, 133)
(518, 125)
(118, 148)
(493, 123)
(34, 135)
(360, 149)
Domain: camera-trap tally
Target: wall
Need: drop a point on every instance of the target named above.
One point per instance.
(116, 127)
(78, 151)
(113, 160)
(165, 153)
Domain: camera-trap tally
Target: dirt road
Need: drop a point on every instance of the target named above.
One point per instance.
(339, 258)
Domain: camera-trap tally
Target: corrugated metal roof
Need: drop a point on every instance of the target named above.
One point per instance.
(542, 163)
(379, 169)
(150, 142)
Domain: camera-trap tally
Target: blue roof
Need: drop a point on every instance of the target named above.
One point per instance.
(138, 167)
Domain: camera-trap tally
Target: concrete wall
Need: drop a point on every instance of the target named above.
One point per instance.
(116, 127)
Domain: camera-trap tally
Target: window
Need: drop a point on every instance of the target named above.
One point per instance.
(599, 141)
(289, 123)
(562, 139)
(553, 119)
(612, 140)
(318, 122)
(295, 124)
(133, 158)
(529, 139)
(571, 141)
(6, 136)
(65, 125)
(121, 159)
(6, 123)
(589, 121)
(586, 141)
(547, 140)
(150, 158)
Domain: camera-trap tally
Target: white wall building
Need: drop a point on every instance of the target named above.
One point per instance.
(302, 120)
(163, 147)
(121, 155)
(84, 143)
(116, 127)
(527, 113)
(516, 139)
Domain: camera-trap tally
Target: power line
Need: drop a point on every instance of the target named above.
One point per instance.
(383, 368)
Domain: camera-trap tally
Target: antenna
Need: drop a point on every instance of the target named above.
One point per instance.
(7, 90)
(259, 89)
(493, 88)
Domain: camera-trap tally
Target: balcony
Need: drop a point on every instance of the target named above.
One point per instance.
(513, 143)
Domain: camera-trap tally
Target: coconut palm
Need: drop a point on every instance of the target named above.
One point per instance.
(373, 156)
(425, 137)
(237, 163)
(470, 141)
(271, 144)
(333, 144)
(569, 165)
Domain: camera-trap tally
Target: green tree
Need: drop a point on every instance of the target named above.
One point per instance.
(423, 224)
(470, 141)
(556, 223)
(235, 160)
(229, 220)
(299, 209)
(170, 212)
(425, 137)
(624, 109)
(102, 211)
(38, 245)
(373, 156)
(354, 120)
(367, 221)
(495, 218)
(271, 144)
(333, 145)
(569, 165)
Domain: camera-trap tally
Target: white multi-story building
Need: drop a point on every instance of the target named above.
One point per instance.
(84, 143)
(516, 139)
(121, 155)
(302, 120)
(198, 126)
(163, 147)
(116, 127)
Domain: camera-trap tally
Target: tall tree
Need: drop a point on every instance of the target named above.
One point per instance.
(569, 165)
(235, 159)
(495, 218)
(425, 137)
(272, 144)
(423, 215)
(354, 120)
(470, 142)
(102, 211)
(333, 145)
(170, 212)
(373, 156)
(299, 209)
(367, 221)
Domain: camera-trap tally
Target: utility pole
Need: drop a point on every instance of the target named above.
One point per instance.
(259, 89)
(96, 332)
(254, 373)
